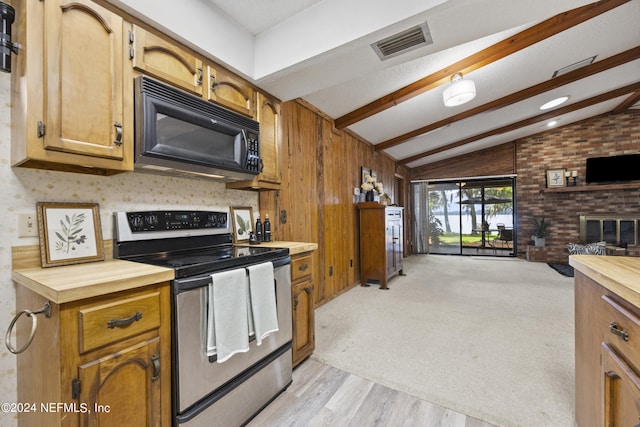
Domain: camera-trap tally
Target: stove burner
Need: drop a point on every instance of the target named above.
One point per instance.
(208, 260)
(189, 247)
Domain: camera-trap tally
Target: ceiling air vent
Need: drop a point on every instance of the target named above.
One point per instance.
(574, 66)
(403, 42)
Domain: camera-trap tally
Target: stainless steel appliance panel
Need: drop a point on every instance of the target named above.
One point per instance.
(196, 375)
(244, 401)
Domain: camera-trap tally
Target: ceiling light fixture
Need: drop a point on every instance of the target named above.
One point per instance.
(459, 91)
(554, 103)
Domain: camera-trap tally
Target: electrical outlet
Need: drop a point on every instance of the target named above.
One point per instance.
(27, 225)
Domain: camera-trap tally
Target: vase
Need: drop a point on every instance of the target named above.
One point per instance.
(369, 196)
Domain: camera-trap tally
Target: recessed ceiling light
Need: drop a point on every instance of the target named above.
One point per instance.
(554, 103)
(552, 123)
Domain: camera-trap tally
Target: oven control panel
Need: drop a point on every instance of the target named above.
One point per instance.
(176, 220)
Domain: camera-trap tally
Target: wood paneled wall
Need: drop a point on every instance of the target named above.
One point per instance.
(499, 160)
(321, 168)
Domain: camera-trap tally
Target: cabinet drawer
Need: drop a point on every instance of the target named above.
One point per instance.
(109, 322)
(301, 267)
(622, 325)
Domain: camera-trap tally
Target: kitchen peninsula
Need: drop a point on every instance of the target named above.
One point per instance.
(607, 322)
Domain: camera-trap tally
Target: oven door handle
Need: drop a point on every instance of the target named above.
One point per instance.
(187, 283)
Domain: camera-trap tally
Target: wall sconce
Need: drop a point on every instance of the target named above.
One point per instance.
(7, 16)
(459, 91)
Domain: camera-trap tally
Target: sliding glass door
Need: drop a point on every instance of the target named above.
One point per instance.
(471, 217)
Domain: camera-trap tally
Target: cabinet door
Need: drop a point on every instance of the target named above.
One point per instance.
(230, 91)
(83, 90)
(270, 138)
(159, 58)
(621, 390)
(398, 245)
(390, 232)
(123, 388)
(303, 321)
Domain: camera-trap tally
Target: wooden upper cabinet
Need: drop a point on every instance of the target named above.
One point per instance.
(230, 91)
(84, 79)
(156, 57)
(68, 99)
(269, 116)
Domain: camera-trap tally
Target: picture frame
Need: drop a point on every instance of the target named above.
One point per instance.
(374, 175)
(242, 221)
(555, 178)
(69, 233)
(364, 172)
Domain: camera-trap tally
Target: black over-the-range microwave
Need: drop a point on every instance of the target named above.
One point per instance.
(180, 134)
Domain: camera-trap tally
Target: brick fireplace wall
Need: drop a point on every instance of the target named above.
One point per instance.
(568, 147)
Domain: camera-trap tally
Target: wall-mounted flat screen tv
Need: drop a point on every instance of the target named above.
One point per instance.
(613, 168)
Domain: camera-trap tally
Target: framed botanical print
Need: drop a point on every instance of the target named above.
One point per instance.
(555, 178)
(69, 233)
(242, 221)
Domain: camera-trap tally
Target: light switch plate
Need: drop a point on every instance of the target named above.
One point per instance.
(27, 225)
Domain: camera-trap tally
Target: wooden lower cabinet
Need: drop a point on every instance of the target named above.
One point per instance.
(303, 307)
(621, 390)
(102, 361)
(381, 237)
(607, 357)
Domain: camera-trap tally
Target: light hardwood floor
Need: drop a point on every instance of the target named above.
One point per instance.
(322, 395)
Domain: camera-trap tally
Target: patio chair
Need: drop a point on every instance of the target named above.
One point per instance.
(505, 237)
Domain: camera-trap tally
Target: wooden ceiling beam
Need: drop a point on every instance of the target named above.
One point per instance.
(624, 105)
(509, 46)
(589, 70)
(530, 121)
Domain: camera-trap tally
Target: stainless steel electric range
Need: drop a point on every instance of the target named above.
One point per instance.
(197, 244)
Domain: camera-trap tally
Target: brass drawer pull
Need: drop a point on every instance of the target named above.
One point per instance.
(614, 329)
(111, 324)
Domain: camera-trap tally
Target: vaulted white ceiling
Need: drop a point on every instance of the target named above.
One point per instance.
(320, 51)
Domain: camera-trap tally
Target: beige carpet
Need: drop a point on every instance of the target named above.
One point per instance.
(492, 338)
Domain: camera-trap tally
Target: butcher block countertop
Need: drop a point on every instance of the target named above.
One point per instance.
(294, 247)
(619, 274)
(68, 283)
(75, 282)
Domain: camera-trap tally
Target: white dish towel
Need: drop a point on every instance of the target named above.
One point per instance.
(262, 291)
(227, 321)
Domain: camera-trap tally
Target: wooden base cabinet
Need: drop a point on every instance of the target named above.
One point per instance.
(103, 361)
(607, 357)
(303, 306)
(381, 237)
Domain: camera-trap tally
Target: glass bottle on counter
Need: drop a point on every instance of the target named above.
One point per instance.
(267, 229)
(258, 229)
